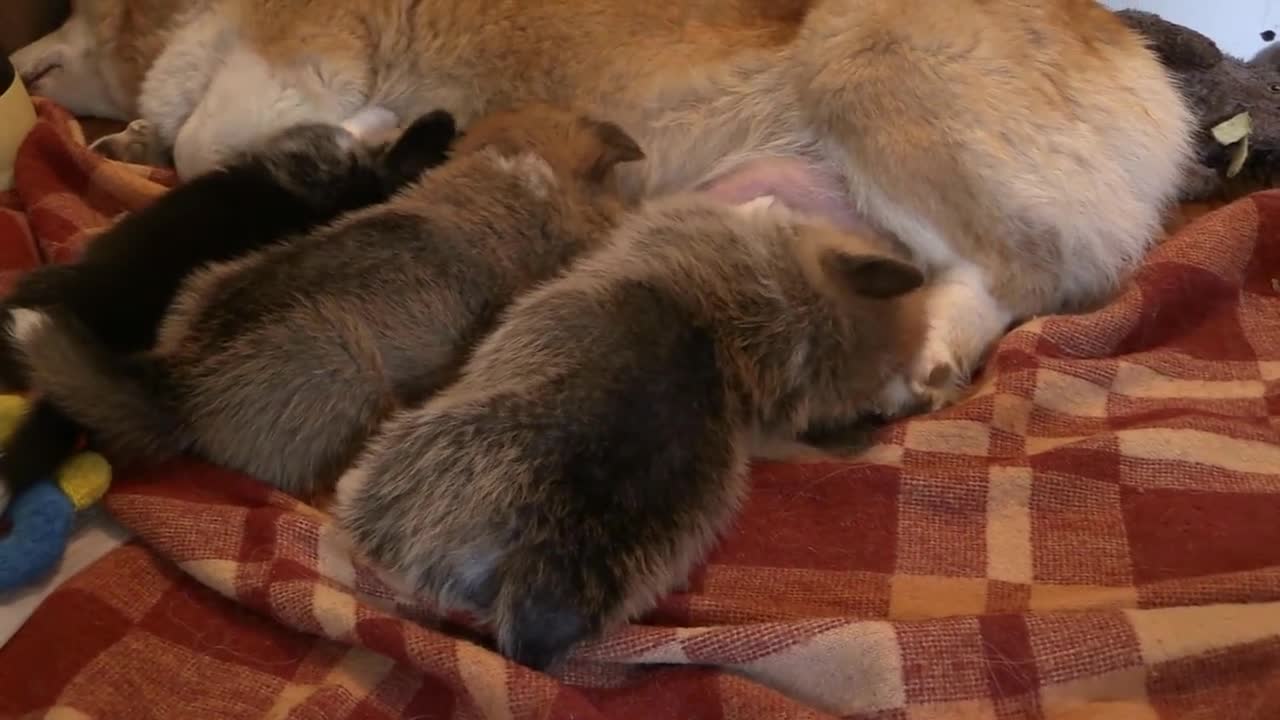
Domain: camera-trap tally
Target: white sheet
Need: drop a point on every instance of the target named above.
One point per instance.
(96, 535)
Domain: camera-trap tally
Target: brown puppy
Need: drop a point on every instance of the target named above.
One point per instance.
(281, 363)
(596, 443)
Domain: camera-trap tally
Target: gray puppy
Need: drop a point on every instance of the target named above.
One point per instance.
(281, 363)
(596, 443)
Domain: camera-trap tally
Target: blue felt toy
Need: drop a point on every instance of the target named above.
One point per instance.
(43, 516)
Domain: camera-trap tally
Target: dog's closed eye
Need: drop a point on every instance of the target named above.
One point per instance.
(31, 77)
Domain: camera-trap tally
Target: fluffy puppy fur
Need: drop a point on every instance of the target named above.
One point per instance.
(280, 364)
(595, 444)
(120, 288)
(1024, 151)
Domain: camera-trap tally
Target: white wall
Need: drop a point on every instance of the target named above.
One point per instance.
(1234, 24)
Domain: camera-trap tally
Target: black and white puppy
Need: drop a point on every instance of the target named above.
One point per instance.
(120, 289)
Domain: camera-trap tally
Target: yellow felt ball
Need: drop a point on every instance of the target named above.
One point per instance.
(12, 407)
(85, 479)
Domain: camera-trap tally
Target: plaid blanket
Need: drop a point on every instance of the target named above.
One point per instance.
(1094, 534)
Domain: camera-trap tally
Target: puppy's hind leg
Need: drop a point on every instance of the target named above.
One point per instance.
(297, 413)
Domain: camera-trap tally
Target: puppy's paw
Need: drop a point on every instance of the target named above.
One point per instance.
(371, 123)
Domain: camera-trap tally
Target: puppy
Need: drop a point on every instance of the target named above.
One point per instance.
(595, 444)
(279, 364)
(119, 289)
(1025, 152)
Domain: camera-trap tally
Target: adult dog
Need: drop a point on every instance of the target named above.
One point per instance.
(1023, 151)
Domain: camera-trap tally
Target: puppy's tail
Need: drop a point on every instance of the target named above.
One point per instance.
(47, 286)
(129, 404)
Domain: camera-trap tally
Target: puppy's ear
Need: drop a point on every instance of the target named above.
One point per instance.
(422, 146)
(871, 276)
(1178, 47)
(616, 146)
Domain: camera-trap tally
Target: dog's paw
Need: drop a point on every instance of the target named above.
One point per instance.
(138, 143)
(937, 378)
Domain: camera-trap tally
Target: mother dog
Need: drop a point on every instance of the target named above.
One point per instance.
(1023, 151)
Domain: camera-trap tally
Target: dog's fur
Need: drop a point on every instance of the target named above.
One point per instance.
(596, 442)
(281, 363)
(1024, 151)
(120, 288)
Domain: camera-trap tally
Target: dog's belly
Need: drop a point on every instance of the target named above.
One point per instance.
(801, 185)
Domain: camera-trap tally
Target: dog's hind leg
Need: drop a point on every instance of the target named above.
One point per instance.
(249, 99)
(139, 143)
(183, 72)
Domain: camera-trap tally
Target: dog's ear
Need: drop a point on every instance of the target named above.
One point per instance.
(614, 146)
(870, 276)
(422, 146)
(1178, 47)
